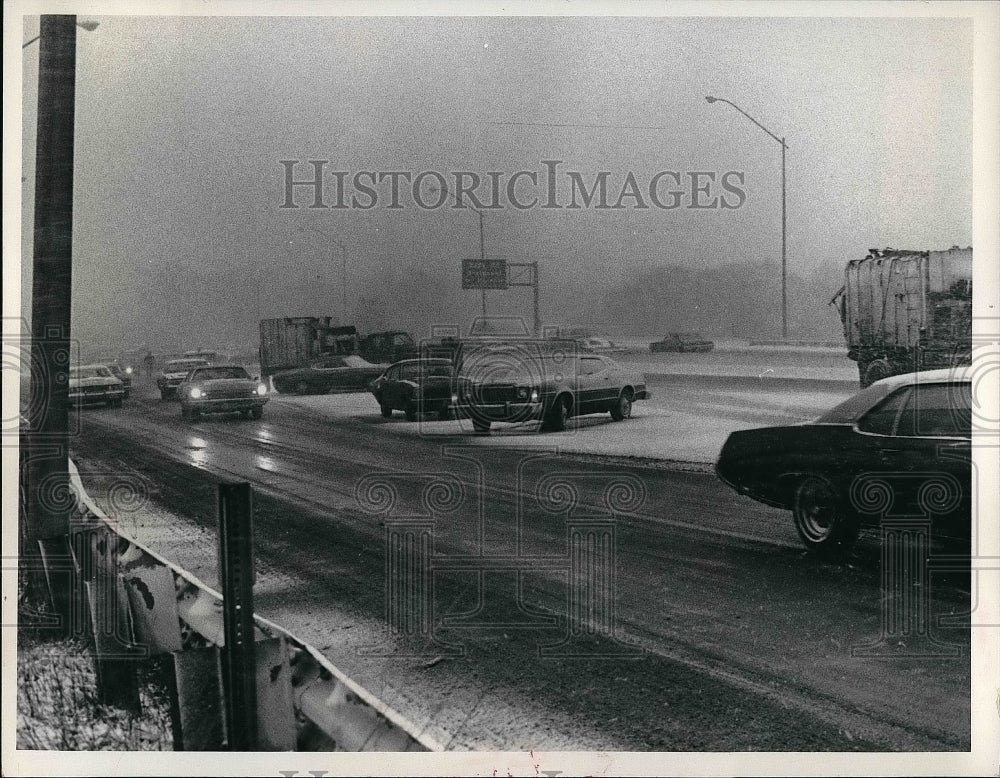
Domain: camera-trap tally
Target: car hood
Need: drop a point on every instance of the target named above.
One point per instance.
(95, 381)
(225, 384)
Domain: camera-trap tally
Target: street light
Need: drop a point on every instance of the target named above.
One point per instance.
(88, 26)
(784, 146)
(482, 242)
(343, 271)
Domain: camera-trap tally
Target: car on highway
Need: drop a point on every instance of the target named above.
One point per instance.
(415, 386)
(94, 384)
(122, 374)
(599, 345)
(685, 342)
(346, 373)
(901, 445)
(174, 372)
(221, 389)
(550, 380)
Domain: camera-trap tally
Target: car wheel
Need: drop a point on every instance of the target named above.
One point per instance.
(558, 415)
(825, 525)
(410, 411)
(256, 413)
(622, 408)
(386, 411)
(481, 426)
(301, 388)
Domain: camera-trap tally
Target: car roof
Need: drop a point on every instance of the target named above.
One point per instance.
(941, 375)
(214, 366)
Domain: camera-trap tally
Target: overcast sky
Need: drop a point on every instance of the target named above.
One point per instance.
(182, 123)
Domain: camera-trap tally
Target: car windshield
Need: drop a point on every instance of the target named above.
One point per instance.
(182, 365)
(90, 371)
(354, 360)
(215, 373)
(851, 409)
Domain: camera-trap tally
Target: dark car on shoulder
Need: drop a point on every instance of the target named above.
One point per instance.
(221, 389)
(683, 342)
(331, 373)
(549, 380)
(415, 386)
(901, 447)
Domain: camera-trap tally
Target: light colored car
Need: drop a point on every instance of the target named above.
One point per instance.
(123, 374)
(550, 380)
(221, 389)
(94, 384)
(174, 372)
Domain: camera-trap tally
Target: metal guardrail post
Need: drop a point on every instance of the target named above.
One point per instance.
(237, 573)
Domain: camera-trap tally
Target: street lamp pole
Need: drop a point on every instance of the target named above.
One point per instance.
(343, 270)
(784, 263)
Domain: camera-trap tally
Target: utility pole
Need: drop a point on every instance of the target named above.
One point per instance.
(51, 283)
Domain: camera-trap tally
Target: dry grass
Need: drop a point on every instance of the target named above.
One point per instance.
(57, 707)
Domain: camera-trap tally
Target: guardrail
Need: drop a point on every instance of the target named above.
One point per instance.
(134, 604)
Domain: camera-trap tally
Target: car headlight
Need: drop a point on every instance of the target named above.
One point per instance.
(195, 393)
(128, 371)
(534, 395)
(261, 389)
(454, 398)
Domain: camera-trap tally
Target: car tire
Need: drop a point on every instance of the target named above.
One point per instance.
(481, 426)
(256, 413)
(411, 410)
(302, 388)
(825, 524)
(622, 408)
(558, 415)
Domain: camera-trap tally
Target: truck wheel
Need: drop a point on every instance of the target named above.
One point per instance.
(826, 526)
(876, 371)
(622, 408)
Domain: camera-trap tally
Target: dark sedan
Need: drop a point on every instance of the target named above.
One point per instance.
(415, 386)
(901, 447)
(683, 342)
(348, 373)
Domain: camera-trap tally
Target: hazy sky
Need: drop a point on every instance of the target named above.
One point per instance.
(182, 122)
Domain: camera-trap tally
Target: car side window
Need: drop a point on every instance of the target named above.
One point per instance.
(589, 366)
(411, 372)
(937, 410)
(881, 420)
(393, 374)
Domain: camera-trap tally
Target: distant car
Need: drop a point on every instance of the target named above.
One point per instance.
(326, 374)
(902, 443)
(174, 372)
(689, 342)
(550, 380)
(415, 386)
(122, 374)
(94, 384)
(387, 347)
(598, 344)
(221, 389)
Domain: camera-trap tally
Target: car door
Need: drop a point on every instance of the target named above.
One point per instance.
(920, 440)
(592, 378)
(390, 389)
